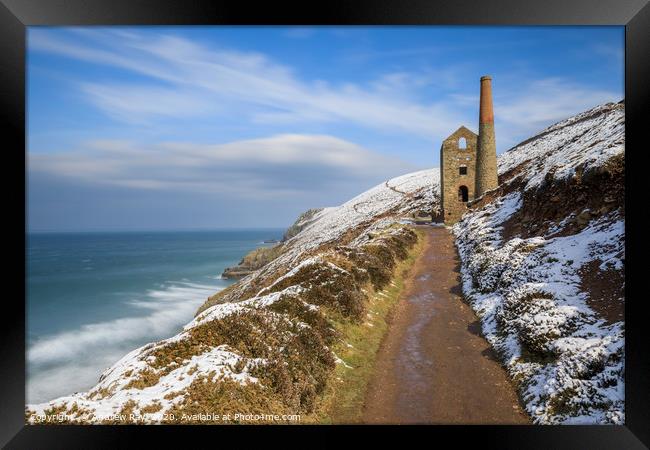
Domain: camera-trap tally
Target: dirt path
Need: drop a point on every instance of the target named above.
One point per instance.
(394, 189)
(433, 366)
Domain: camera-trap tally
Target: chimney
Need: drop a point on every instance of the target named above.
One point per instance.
(486, 154)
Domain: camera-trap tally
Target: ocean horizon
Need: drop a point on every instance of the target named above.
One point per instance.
(93, 296)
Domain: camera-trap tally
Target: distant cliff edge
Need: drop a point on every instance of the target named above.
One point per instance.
(261, 256)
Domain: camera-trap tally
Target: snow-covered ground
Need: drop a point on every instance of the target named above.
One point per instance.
(113, 392)
(388, 197)
(586, 140)
(374, 209)
(567, 360)
(118, 390)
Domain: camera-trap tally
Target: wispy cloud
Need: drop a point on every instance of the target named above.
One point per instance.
(615, 52)
(261, 89)
(282, 165)
(179, 119)
(190, 80)
(134, 103)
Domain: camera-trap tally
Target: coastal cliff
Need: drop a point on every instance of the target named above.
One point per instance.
(261, 256)
(267, 344)
(542, 265)
(254, 260)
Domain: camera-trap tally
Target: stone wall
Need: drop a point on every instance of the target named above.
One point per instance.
(451, 159)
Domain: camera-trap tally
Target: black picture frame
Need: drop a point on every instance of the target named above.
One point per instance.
(16, 15)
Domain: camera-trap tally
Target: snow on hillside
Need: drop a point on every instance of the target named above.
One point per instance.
(266, 338)
(586, 140)
(170, 375)
(371, 210)
(117, 385)
(532, 293)
(388, 197)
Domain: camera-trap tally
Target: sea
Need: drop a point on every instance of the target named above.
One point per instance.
(92, 297)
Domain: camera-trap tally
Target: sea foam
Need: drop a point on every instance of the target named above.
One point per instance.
(73, 360)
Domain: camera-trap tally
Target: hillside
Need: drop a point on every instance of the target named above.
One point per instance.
(543, 267)
(542, 264)
(264, 344)
(258, 258)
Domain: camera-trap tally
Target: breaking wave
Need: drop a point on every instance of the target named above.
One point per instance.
(73, 360)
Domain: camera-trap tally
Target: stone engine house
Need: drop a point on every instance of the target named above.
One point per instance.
(468, 162)
(457, 173)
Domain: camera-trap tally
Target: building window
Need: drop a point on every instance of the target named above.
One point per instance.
(462, 143)
(463, 194)
(462, 170)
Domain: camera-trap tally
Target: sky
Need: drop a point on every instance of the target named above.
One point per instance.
(162, 128)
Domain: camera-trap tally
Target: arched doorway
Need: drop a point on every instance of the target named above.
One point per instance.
(463, 194)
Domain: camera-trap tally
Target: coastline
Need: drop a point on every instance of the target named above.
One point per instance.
(266, 344)
(80, 328)
(364, 231)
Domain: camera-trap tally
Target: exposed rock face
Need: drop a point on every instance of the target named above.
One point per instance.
(303, 220)
(565, 206)
(260, 257)
(254, 260)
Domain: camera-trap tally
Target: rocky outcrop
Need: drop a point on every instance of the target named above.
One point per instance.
(260, 257)
(253, 261)
(303, 220)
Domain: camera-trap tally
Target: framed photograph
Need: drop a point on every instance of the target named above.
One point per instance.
(375, 218)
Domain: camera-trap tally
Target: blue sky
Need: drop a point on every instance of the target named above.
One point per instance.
(226, 127)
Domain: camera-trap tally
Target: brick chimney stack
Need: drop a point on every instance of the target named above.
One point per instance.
(486, 155)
